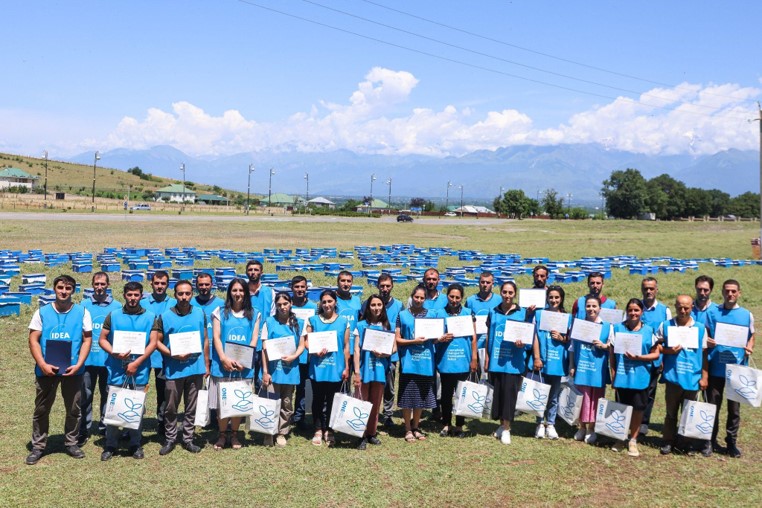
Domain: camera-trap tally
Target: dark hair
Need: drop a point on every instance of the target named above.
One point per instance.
(133, 286)
(101, 274)
(202, 275)
(649, 279)
(540, 267)
(510, 283)
(732, 282)
(453, 287)
(291, 320)
(297, 279)
(384, 276)
(419, 287)
(594, 274)
(181, 282)
(431, 270)
(328, 292)
(383, 317)
(704, 278)
(345, 272)
(162, 274)
(248, 310)
(588, 298)
(254, 262)
(560, 291)
(66, 279)
(487, 273)
(634, 301)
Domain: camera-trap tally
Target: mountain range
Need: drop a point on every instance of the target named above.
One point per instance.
(576, 169)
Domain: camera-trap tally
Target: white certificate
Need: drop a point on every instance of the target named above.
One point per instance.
(612, 316)
(460, 326)
(515, 331)
(686, 336)
(240, 353)
(283, 346)
(628, 343)
(586, 331)
(731, 335)
(378, 340)
(557, 321)
(529, 297)
(302, 313)
(132, 342)
(323, 340)
(481, 324)
(429, 328)
(184, 343)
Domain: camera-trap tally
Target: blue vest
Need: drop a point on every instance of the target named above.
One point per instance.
(554, 354)
(350, 309)
(654, 318)
(303, 358)
(720, 356)
(263, 300)
(684, 368)
(481, 308)
(158, 308)
(236, 330)
(331, 366)
(504, 356)
(283, 373)
(98, 313)
(453, 357)
(581, 314)
(416, 358)
(129, 323)
(372, 368)
(208, 308)
(393, 309)
(634, 374)
(591, 363)
(174, 368)
(700, 315)
(66, 327)
(440, 302)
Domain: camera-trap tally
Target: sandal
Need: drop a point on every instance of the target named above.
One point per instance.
(409, 437)
(420, 436)
(235, 443)
(221, 442)
(317, 439)
(329, 439)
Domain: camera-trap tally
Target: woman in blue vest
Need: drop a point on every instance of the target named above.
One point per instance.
(631, 373)
(371, 366)
(327, 369)
(235, 323)
(589, 366)
(416, 383)
(505, 360)
(551, 357)
(455, 358)
(281, 375)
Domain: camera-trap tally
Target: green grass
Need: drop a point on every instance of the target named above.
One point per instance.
(477, 471)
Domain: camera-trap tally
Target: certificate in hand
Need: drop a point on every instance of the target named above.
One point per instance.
(628, 343)
(323, 340)
(429, 328)
(612, 316)
(529, 297)
(378, 340)
(460, 326)
(558, 321)
(731, 335)
(686, 336)
(132, 342)
(280, 347)
(586, 331)
(185, 343)
(303, 314)
(240, 353)
(481, 324)
(518, 331)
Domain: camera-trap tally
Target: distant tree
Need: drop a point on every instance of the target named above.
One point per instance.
(745, 205)
(514, 203)
(217, 189)
(417, 203)
(351, 205)
(190, 184)
(666, 197)
(625, 193)
(698, 202)
(136, 171)
(429, 206)
(553, 204)
(718, 202)
(578, 213)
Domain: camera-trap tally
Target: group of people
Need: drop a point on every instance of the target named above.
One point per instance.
(420, 371)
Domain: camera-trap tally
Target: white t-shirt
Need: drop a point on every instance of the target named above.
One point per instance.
(36, 322)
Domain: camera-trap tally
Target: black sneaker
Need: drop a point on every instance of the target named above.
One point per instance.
(363, 444)
(82, 441)
(191, 447)
(137, 452)
(666, 449)
(167, 448)
(374, 440)
(388, 422)
(107, 454)
(34, 457)
(75, 452)
(733, 451)
(707, 451)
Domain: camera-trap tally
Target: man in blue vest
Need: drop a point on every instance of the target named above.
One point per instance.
(207, 301)
(540, 277)
(262, 299)
(303, 309)
(60, 335)
(720, 356)
(158, 302)
(100, 305)
(480, 304)
(182, 326)
(704, 285)
(595, 288)
(348, 305)
(654, 314)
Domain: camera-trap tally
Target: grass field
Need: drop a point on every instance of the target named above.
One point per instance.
(477, 471)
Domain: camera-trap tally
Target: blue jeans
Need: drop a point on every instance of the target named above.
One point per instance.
(136, 435)
(93, 376)
(551, 411)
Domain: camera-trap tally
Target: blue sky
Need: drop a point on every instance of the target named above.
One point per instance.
(228, 76)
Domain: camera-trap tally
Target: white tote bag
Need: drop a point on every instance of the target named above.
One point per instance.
(612, 419)
(743, 384)
(336, 403)
(487, 413)
(533, 397)
(469, 399)
(125, 407)
(697, 420)
(201, 418)
(264, 415)
(351, 415)
(570, 404)
(234, 398)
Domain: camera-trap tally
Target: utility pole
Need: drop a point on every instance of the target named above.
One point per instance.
(95, 162)
(45, 188)
(182, 198)
(248, 188)
(270, 188)
(760, 171)
(447, 196)
(461, 201)
(370, 205)
(389, 201)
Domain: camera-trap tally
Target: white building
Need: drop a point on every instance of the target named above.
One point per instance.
(176, 194)
(15, 177)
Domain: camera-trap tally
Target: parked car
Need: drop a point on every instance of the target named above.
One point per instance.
(142, 206)
(403, 217)
(451, 214)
